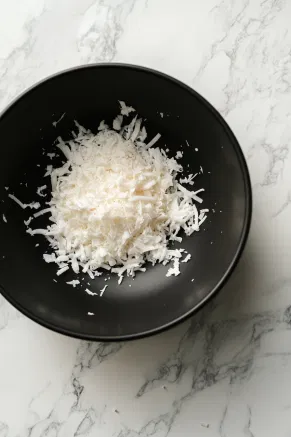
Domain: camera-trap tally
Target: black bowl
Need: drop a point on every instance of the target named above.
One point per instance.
(153, 302)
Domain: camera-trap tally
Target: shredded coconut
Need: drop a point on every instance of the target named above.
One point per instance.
(125, 110)
(57, 121)
(62, 270)
(103, 126)
(117, 122)
(74, 282)
(40, 190)
(103, 289)
(32, 205)
(90, 292)
(188, 180)
(116, 203)
(49, 170)
(187, 258)
(27, 222)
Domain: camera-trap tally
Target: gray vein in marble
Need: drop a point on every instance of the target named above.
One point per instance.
(9, 65)
(173, 369)
(221, 425)
(7, 313)
(277, 157)
(206, 370)
(247, 429)
(198, 351)
(235, 33)
(198, 347)
(287, 315)
(169, 372)
(86, 424)
(88, 356)
(284, 206)
(38, 395)
(4, 430)
(161, 425)
(98, 42)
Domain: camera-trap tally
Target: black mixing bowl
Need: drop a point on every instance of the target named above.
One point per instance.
(153, 302)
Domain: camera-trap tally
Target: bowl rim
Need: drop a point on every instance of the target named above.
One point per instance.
(247, 215)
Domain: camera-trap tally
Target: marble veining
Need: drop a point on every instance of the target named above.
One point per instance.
(226, 372)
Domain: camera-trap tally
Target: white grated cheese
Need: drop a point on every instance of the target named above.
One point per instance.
(116, 203)
(90, 314)
(4, 218)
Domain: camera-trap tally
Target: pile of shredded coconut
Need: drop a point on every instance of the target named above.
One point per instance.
(116, 203)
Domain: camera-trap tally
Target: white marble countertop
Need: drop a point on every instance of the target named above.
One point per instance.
(227, 372)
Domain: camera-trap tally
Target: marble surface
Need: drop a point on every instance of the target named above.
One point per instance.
(226, 372)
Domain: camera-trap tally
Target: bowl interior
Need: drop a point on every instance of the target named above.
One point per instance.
(152, 301)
